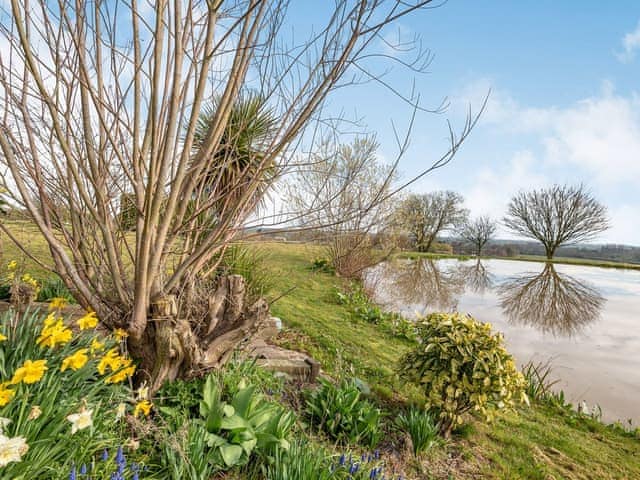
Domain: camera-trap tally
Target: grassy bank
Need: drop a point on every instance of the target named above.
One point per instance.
(541, 442)
(528, 258)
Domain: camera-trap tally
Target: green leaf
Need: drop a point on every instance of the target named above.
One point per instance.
(235, 422)
(231, 454)
(242, 400)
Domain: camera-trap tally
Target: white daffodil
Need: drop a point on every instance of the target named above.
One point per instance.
(35, 412)
(121, 411)
(80, 420)
(4, 423)
(12, 449)
(143, 392)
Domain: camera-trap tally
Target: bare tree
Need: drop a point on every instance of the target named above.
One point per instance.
(556, 216)
(477, 232)
(354, 188)
(426, 215)
(188, 111)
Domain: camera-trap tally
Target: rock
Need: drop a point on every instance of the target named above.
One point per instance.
(289, 362)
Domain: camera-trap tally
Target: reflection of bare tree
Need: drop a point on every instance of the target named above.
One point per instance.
(553, 302)
(476, 277)
(422, 282)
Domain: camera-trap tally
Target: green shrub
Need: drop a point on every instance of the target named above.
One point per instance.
(462, 366)
(421, 428)
(342, 414)
(246, 425)
(322, 265)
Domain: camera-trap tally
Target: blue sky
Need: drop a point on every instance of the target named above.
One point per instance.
(564, 107)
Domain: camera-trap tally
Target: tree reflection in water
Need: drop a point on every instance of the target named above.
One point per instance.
(476, 277)
(550, 301)
(422, 282)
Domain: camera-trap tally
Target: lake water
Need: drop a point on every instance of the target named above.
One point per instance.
(585, 320)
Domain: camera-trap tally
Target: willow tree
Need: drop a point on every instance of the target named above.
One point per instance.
(191, 111)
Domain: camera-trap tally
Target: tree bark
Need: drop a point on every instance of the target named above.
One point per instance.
(172, 347)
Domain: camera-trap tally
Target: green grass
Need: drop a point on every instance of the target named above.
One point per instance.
(537, 443)
(540, 442)
(527, 258)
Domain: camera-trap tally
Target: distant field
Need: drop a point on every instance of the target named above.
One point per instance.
(529, 258)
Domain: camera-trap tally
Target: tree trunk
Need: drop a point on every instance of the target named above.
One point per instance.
(172, 347)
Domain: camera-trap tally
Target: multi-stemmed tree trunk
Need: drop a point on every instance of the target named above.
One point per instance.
(189, 111)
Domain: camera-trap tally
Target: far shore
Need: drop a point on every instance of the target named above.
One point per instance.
(525, 258)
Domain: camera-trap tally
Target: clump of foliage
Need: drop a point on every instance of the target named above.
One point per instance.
(421, 428)
(322, 264)
(251, 263)
(362, 309)
(538, 379)
(342, 413)
(462, 366)
(306, 461)
(54, 287)
(229, 433)
(62, 394)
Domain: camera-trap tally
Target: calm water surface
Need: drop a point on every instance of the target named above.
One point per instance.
(586, 320)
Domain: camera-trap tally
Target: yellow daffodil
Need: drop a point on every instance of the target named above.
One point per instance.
(80, 420)
(57, 303)
(120, 334)
(123, 374)
(12, 265)
(2, 337)
(12, 449)
(110, 360)
(6, 394)
(30, 372)
(29, 280)
(143, 407)
(96, 346)
(76, 361)
(53, 333)
(88, 321)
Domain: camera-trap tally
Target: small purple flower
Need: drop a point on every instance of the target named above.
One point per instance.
(105, 455)
(72, 474)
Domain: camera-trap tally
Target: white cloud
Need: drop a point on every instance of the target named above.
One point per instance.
(595, 141)
(624, 225)
(600, 135)
(630, 44)
(493, 187)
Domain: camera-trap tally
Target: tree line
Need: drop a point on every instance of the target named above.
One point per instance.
(364, 212)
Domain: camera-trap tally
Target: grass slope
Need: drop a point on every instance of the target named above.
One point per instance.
(537, 443)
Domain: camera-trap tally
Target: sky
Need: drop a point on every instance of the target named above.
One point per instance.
(564, 102)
